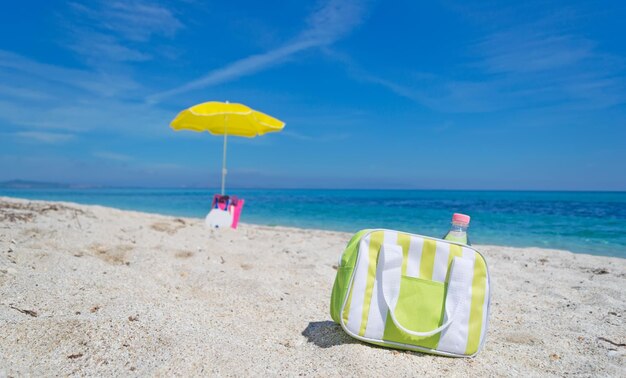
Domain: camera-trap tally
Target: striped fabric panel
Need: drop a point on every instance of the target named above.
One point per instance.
(485, 313)
(374, 320)
(346, 311)
(376, 241)
(454, 339)
(354, 306)
(479, 290)
(427, 262)
(414, 257)
(456, 251)
(404, 241)
(440, 265)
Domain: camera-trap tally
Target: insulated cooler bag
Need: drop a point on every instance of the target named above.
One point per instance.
(412, 292)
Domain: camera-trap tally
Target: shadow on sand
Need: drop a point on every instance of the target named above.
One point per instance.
(326, 334)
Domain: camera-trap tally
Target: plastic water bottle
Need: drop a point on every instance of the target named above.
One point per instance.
(458, 229)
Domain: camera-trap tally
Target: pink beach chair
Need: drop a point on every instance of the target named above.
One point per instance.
(231, 204)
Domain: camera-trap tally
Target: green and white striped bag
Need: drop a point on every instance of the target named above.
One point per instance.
(412, 292)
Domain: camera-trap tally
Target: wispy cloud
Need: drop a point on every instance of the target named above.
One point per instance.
(327, 138)
(114, 156)
(82, 115)
(103, 95)
(518, 67)
(93, 46)
(547, 67)
(51, 97)
(44, 137)
(520, 51)
(100, 83)
(118, 31)
(426, 89)
(330, 22)
(22, 93)
(134, 20)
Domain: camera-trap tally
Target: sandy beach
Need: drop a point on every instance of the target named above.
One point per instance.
(89, 290)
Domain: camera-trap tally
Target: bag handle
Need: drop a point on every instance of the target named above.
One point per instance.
(461, 273)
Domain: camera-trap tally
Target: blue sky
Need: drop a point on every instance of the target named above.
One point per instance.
(402, 94)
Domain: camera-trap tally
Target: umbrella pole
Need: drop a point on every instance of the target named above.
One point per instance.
(224, 165)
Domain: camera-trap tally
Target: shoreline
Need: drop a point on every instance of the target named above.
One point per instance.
(91, 290)
(478, 246)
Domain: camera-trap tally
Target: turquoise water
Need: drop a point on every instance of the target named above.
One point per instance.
(587, 222)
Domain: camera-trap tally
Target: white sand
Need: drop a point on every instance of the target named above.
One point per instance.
(88, 290)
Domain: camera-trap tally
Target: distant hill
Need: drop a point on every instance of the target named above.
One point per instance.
(25, 184)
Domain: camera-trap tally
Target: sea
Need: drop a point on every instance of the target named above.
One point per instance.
(581, 222)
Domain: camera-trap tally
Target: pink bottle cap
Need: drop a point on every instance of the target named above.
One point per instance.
(460, 218)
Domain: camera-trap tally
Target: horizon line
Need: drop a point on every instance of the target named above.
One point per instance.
(62, 186)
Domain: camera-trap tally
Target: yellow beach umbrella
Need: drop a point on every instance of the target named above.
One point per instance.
(224, 118)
